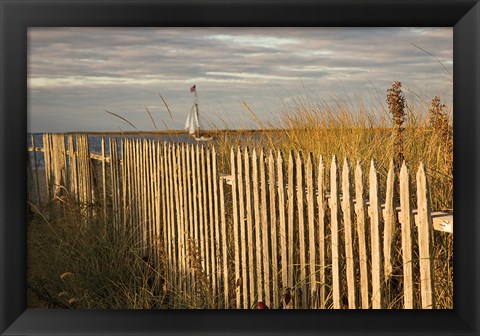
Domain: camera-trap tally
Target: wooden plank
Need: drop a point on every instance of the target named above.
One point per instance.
(217, 243)
(211, 225)
(322, 205)
(302, 239)
(257, 227)
(205, 226)
(237, 221)
(312, 261)
(406, 221)
(290, 224)
(190, 220)
(201, 218)
(425, 240)
(375, 211)
(282, 224)
(243, 234)
(182, 225)
(347, 207)
(362, 236)
(224, 234)
(389, 215)
(267, 230)
(250, 242)
(335, 228)
(274, 230)
(171, 222)
(73, 168)
(195, 155)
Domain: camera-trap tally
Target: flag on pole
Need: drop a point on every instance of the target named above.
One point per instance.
(193, 89)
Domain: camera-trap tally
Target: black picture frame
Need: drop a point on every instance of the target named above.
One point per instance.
(17, 16)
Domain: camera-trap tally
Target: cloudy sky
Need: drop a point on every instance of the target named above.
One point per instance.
(76, 74)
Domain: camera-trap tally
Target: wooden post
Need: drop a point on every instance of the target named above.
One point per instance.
(362, 236)
(273, 228)
(312, 302)
(335, 225)
(217, 244)
(250, 244)
(224, 237)
(290, 224)
(389, 216)
(282, 223)
(375, 211)
(266, 229)
(322, 205)
(406, 222)
(257, 227)
(237, 221)
(425, 240)
(347, 206)
(302, 239)
(243, 235)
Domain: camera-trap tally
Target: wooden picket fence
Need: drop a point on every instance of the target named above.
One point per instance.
(294, 232)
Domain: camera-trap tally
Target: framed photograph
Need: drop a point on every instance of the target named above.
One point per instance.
(189, 163)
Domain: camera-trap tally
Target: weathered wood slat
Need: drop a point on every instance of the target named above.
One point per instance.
(362, 237)
(266, 230)
(406, 222)
(257, 228)
(274, 230)
(250, 231)
(389, 216)
(335, 228)
(302, 238)
(321, 203)
(237, 222)
(282, 225)
(375, 234)
(243, 234)
(312, 260)
(425, 240)
(290, 225)
(347, 207)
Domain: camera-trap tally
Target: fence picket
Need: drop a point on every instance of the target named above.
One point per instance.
(250, 242)
(243, 235)
(257, 227)
(265, 230)
(312, 262)
(362, 236)
(406, 222)
(321, 203)
(302, 238)
(425, 240)
(282, 227)
(274, 230)
(389, 217)
(335, 228)
(375, 234)
(347, 205)
(237, 220)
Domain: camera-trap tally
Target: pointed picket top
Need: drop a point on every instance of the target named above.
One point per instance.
(346, 186)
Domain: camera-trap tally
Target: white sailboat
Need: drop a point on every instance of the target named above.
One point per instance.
(192, 124)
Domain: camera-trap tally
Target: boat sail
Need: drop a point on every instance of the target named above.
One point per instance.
(192, 124)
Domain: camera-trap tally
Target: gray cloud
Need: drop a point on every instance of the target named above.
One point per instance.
(75, 74)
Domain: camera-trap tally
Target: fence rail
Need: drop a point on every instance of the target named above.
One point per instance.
(290, 231)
